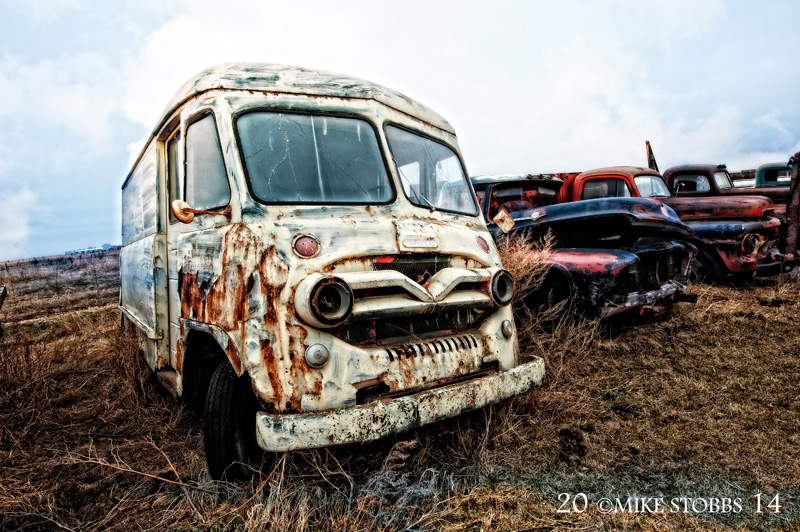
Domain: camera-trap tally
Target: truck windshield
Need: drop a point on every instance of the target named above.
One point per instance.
(650, 186)
(297, 158)
(431, 173)
(723, 180)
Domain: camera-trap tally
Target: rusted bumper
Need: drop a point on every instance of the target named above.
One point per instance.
(383, 418)
(643, 299)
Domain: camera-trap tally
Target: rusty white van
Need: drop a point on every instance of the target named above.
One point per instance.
(307, 264)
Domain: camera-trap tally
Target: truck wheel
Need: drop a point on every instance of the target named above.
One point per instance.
(706, 268)
(229, 427)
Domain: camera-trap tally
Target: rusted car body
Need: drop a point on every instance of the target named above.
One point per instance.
(734, 235)
(338, 265)
(702, 180)
(610, 255)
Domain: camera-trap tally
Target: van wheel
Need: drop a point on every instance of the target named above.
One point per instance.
(229, 427)
(706, 268)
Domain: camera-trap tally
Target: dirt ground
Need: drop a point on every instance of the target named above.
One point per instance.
(683, 423)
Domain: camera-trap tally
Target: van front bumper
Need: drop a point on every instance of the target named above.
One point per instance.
(382, 418)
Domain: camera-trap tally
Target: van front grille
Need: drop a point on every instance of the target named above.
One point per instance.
(402, 329)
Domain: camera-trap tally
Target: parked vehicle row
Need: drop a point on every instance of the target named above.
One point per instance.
(610, 255)
(735, 236)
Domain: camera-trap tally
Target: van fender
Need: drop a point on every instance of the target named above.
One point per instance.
(224, 340)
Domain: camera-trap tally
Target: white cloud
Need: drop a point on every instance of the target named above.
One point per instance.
(135, 148)
(528, 86)
(80, 93)
(15, 213)
(46, 9)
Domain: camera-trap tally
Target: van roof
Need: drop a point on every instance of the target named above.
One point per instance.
(297, 80)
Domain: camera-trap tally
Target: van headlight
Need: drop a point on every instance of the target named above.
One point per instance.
(326, 302)
(502, 288)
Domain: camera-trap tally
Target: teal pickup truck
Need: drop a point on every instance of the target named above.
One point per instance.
(774, 175)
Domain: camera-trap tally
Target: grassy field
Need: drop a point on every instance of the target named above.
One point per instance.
(691, 410)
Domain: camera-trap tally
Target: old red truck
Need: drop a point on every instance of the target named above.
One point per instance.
(733, 235)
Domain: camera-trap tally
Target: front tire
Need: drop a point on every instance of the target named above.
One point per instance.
(229, 428)
(706, 268)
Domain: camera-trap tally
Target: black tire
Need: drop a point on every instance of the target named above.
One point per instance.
(707, 269)
(229, 427)
(199, 365)
(554, 290)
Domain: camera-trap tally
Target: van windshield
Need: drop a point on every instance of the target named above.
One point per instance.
(431, 173)
(301, 158)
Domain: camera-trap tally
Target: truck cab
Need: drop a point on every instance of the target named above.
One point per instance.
(773, 175)
(306, 263)
(708, 180)
(734, 235)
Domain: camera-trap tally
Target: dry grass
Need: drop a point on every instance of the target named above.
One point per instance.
(703, 403)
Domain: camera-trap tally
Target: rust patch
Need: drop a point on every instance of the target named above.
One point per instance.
(273, 371)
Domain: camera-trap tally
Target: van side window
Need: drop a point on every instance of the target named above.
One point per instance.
(172, 170)
(206, 180)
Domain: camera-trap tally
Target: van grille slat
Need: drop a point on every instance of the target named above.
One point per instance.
(443, 346)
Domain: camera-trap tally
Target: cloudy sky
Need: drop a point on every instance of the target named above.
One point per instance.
(530, 86)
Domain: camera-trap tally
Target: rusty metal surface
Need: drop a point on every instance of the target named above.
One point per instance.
(381, 418)
(720, 207)
(422, 310)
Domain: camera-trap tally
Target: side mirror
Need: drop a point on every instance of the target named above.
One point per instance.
(184, 212)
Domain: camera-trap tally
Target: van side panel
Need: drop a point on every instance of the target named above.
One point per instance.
(139, 216)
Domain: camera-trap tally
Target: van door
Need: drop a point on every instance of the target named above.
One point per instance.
(198, 176)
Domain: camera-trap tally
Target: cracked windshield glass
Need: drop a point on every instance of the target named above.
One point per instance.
(297, 158)
(431, 173)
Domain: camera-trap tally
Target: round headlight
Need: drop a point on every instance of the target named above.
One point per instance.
(331, 301)
(502, 288)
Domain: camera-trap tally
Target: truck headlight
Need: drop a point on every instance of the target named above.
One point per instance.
(752, 242)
